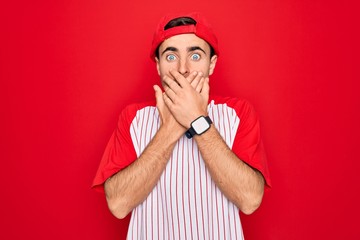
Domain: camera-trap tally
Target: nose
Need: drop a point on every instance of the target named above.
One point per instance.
(183, 67)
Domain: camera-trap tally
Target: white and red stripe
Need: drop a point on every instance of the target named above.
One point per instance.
(186, 203)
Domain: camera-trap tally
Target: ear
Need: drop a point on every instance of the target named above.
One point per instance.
(212, 64)
(157, 65)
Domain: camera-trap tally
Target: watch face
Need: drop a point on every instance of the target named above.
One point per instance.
(200, 125)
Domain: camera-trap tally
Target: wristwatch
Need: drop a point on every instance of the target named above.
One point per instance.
(198, 126)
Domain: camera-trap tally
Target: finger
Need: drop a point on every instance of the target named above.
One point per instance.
(158, 96)
(180, 79)
(192, 76)
(172, 84)
(206, 88)
(197, 80)
(195, 83)
(170, 93)
(200, 85)
(167, 100)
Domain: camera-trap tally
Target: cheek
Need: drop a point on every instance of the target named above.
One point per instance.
(203, 67)
(164, 71)
(165, 68)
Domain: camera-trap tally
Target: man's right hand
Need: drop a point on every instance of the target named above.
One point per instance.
(168, 121)
(186, 100)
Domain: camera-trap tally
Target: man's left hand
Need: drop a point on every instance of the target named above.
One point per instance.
(185, 101)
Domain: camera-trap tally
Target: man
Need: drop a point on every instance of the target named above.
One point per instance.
(185, 165)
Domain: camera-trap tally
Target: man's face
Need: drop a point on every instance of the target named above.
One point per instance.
(185, 53)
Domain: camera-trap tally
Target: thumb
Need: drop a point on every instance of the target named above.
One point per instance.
(158, 95)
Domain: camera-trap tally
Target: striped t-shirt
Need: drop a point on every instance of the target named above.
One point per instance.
(185, 203)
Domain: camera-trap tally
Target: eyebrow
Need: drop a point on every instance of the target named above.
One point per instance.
(170, 49)
(194, 48)
(189, 49)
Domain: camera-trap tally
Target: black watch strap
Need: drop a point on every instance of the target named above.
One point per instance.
(191, 132)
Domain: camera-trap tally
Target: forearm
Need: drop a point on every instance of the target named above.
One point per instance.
(240, 183)
(129, 187)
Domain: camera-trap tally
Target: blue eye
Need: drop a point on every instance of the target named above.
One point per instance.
(195, 56)
(171, 57)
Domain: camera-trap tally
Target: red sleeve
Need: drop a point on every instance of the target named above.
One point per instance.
(119, 152)
(247, 144)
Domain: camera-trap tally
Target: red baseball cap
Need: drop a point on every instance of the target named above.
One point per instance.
(202, 29)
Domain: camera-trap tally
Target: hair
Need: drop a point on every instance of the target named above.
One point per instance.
(182, 21)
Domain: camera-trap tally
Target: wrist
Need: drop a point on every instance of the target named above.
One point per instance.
(171, 133)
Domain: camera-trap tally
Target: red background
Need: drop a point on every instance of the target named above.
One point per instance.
(68, 67)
